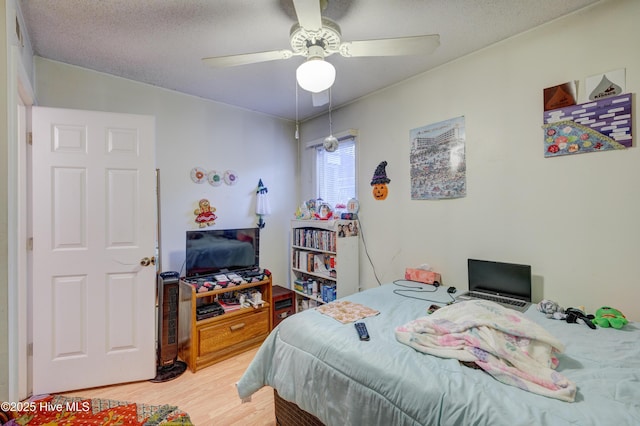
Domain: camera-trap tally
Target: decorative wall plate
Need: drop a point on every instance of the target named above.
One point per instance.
(198, 175)
(214, 178)
(230, 177)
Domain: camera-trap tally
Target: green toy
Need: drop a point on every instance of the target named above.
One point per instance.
(609, 317)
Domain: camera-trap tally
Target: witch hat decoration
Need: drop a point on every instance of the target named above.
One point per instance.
(261, 188)
(380, 175)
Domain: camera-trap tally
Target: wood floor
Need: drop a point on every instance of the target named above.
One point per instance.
(209, 396)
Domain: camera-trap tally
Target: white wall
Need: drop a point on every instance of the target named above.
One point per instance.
(194, 132)
(573, 218)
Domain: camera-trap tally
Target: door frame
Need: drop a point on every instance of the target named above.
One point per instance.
(20, 96)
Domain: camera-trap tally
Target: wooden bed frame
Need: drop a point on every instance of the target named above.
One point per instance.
(289, 414)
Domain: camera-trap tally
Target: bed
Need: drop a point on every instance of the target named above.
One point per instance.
(318, 364)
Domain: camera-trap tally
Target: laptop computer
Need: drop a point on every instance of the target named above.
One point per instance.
(508, 284)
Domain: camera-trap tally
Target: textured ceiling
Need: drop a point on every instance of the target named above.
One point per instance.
(162, 42)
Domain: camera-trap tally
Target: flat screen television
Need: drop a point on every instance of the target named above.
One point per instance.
(215, 251)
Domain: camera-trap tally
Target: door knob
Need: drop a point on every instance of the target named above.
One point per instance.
(146, 261)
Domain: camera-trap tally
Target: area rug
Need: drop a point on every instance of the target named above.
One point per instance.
(56, 410)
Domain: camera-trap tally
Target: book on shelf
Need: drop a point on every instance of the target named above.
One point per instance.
(317, 239)
(323, 264)
(310, 261)
(317, 263)
(300, 259)
(229, 306)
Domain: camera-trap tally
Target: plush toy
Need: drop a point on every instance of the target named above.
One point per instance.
(551, 309)
(609, 317)
(577, 315)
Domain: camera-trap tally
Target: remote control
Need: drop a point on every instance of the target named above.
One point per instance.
(362, 331)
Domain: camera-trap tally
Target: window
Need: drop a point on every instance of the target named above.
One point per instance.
(336, 172)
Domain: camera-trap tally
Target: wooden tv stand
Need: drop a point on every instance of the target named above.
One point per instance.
(205, 342)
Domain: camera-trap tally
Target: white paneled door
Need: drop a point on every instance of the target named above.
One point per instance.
(93, 237)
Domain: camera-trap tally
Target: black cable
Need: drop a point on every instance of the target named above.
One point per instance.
(364, 244)
(182, 267)
(396, 282)
(419, 289)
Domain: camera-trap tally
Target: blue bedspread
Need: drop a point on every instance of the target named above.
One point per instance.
(319, 363)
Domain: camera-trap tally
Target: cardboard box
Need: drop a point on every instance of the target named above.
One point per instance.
(422, 276)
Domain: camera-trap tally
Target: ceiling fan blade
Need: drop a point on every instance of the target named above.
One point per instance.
(247, 58)
(418, 45)
(309, 15)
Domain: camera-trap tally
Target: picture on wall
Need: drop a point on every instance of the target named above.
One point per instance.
(559, 96)
(606, 85)
(595, 126)
(437, 160)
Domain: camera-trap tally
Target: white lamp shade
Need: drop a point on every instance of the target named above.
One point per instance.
(316, 75)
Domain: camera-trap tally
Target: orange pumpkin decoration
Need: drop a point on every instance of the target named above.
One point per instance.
(380, 191)
(380, 181)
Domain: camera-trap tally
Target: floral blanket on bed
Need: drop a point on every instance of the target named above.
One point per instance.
(346, 311)
(501, 341)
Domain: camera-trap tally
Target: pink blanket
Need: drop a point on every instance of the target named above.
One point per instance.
(501, 341)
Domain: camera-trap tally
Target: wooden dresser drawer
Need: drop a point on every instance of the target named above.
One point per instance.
(226, 333)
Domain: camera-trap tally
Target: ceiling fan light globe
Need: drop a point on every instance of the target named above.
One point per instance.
(316, 75)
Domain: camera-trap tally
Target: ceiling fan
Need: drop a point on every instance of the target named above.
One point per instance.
(316, 37)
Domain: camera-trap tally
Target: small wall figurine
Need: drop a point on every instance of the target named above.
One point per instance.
(324, 212)
(302, 212)
(380, 181)
(204, 214)
(262, 204)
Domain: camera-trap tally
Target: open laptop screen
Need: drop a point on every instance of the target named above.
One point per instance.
(506, 279)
